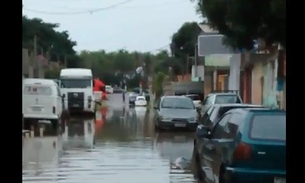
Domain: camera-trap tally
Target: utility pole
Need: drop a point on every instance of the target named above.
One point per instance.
(196, 59)
(187, 64)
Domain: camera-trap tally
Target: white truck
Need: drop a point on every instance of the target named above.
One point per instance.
(76, 86)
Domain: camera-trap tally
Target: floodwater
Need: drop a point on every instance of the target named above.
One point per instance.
(119, 146)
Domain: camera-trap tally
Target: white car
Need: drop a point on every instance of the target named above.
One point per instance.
(196, 100)
(41, 101)
(109, 89)
(140, 101)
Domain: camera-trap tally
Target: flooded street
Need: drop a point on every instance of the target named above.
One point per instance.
(119, 146)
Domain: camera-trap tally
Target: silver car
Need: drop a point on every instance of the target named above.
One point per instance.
(175, 112)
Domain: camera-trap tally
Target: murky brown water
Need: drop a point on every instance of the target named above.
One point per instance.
(120, 146)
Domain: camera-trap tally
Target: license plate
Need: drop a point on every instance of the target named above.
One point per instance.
(180, 124)
(75, 105)
(279, 180)
(38, 109)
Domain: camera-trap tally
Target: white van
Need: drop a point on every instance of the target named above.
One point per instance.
(41, 100)
(77, 89)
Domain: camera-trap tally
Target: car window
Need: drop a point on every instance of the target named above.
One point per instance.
(208, 100)
(178, 103)
(268, 127)
(206, 116)
(231, 128)
(219, 130)
(227, 99)
(37, 90)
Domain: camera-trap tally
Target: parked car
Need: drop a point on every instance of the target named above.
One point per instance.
(196, 100)
(175, 112)
(221, 98)
(145, 93)
(109, 89)
(140, 101)
(244, 145)
(41, 102)
(117, 90)
(215, 111)
(132, 98)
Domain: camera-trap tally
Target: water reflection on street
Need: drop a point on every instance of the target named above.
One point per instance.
(119, 146)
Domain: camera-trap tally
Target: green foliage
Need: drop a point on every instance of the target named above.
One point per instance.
(243, 21)
(184, 40)
(157, 84)
(105, 64)
(58, 44)
(52, 74)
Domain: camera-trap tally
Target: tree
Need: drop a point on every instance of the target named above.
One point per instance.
(183, 45)
(184, 40)
(58, 44)
(243, 21)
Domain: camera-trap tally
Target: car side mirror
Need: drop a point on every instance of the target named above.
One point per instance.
(156, 107)
(203, 131)
(63, 96)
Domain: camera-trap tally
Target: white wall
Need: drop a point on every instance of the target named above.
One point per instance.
(234, 77)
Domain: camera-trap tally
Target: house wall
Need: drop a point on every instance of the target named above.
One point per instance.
(256, 82)
(270, 84)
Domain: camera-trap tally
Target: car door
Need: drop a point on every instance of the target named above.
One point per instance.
(223, 141)
(209, 147)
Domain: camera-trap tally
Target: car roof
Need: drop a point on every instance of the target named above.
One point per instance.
(30, 81)
(260, 110)
(173, 96)
(223, 94)
(237, 105)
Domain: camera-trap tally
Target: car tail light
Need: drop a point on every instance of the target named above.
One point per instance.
(243, 151)
(54, 110)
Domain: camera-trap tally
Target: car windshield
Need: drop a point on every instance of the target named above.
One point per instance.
(177, 103)
(227, 99)
(268, 127)
(76, 83)
(37, 90)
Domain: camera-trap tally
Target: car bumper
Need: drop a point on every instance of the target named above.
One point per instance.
(244, 175)
(40, 117)
(171, 125)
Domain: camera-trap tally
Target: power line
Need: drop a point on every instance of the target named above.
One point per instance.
(79, 12)
(160, 48)
(105, 8)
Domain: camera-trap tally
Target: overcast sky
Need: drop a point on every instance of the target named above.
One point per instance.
(140, 25)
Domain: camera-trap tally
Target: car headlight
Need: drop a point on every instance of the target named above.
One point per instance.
(194, 119)
(165, 118)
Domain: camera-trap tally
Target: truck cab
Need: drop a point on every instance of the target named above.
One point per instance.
(76, 86)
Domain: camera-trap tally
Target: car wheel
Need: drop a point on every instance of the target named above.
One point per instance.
(222, 177)
(54, 124)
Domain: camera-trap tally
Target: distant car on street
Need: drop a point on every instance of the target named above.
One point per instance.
(221, 98)
(196, 100)
(109, 89)
(132, 98)
(140, 101)
(175, 112)
(243, 145)
(117, 90)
